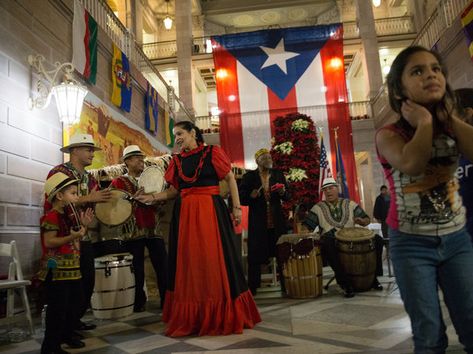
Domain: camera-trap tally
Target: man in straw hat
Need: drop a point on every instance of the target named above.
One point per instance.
(263, 190)
(147, 232)
(81, 149)
(60, 262)
(331, 215)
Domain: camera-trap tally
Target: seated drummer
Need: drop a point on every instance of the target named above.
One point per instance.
(147, 232)
(335, 213)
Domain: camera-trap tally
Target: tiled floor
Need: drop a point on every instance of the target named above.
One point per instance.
(371, 322)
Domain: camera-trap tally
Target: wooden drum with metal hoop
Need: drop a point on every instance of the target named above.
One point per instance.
(299, 255)
(114, 291)
(117, 223)
(357, 254)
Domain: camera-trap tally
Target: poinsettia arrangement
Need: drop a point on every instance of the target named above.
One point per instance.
(296, 153)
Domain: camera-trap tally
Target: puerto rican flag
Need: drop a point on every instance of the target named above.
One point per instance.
(265, 74)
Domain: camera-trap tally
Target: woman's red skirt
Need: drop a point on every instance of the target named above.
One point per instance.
(201, 302)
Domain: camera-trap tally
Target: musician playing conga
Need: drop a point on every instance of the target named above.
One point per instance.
(146, 232)
(81, 150)
(335, 213)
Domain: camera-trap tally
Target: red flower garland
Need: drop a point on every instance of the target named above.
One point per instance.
(305, 155)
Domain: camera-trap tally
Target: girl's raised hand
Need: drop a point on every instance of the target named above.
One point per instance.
(415, 113)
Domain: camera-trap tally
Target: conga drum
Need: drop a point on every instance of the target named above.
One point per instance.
(114, 291)
(357, 254)
(299, 255)
(117, 223)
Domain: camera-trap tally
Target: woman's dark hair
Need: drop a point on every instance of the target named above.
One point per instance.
(394, 78)
(186, 125)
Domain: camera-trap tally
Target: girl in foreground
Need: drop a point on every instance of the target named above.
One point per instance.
(429, 245)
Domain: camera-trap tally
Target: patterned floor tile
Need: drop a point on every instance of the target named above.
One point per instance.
(109, 328)
(371, 322)
(27, 346)
(146, 344)
(143, 321)
(91, 344)
(180, 347)
(128, 335)
(105, 350)
(352, 314)
(254, 343)
(218, 342)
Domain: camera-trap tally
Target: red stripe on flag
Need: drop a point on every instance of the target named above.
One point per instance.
(231, 132)
(86, 44)
(337, 109)
(278, 107)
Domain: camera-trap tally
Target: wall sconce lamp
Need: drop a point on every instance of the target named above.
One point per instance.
(69, 93)
(167, 20)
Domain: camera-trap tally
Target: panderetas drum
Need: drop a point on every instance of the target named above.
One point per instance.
(152, 179)
(299, 255)
(116, 223)
(114, 291)
(357, 254)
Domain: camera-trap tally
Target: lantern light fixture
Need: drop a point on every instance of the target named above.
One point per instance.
(168, 19)
(69, 93)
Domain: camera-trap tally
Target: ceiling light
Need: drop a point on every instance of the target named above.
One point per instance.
(376, 3)
(167, 20)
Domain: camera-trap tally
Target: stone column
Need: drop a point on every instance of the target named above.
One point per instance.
(137, 20)
(417, 11)
(183, 22)
(369, 41)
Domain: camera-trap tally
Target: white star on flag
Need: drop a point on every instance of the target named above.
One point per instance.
(278, 56)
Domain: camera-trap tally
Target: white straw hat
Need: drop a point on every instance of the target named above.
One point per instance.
(56, 182)
(78, 140)
(329, 181)
(131, 150)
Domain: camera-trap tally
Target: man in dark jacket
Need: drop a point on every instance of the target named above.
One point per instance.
(263, 190)
(381, 208)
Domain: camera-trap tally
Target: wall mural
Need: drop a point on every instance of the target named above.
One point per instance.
(112, 132)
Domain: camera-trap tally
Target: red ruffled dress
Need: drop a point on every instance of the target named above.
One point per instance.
(207, 292)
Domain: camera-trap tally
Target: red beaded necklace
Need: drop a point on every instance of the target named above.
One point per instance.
(196, 175)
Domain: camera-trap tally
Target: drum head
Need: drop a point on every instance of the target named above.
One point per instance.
(116, 211)
(354, 234)
(114, 258)
(152, 179)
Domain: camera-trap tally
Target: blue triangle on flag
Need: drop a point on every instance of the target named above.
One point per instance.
(304, 43)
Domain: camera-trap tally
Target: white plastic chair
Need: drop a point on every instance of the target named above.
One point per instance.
(15, 281)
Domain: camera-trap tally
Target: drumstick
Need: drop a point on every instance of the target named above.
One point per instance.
(132, 199)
